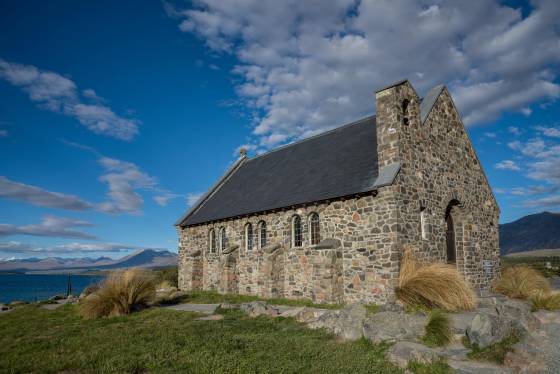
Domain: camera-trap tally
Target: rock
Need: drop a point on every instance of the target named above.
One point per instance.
(519, 312)
(229, 306)
(486, 329)
(259, 308)
(461, 321)
(525, 359)
(391, 307)
(346, 323)
(307, 315)
(475, 367)
(454, 352)
(213, 317)
(545, 317)
(57, 297)
(4, 307)
(393, 326)
(403, 352)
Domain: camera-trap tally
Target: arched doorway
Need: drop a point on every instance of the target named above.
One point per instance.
(450, 233)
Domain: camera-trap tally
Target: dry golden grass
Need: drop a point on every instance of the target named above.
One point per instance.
(433, 285)
(547, 301)
(121, 293)
(522, 282)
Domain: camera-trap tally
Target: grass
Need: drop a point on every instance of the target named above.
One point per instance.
(119, 294)
(435, 367)
(521, 282)
(372, 308)
(495, 353)
(434, 285)
(212, 297)
(546, 301)
(155, 340)
(438, 330)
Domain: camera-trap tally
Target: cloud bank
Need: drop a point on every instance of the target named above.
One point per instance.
(50, 226)
(305, 66)
(18, 248)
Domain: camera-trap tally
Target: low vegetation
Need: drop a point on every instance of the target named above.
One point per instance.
(433, 285)
(120, 293)
(495, 353)
(438, 330)
(546, 301)
(212, 297)
(156, 340)
(521, 282)
(166, 277)
(435, 367)
(548, 266)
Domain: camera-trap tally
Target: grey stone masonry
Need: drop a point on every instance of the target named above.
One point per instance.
(439, 199)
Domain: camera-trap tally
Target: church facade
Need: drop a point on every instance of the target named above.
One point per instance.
(327, 218)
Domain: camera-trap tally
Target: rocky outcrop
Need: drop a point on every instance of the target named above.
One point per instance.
(394, 326)
(346, 323)
(402, 352)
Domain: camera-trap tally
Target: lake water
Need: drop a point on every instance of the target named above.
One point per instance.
(34, 287)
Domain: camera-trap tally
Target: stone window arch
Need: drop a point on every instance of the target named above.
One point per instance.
(212, 241)
(223, 239)
(405, 104)
(263, 238)
(450, 232)
(248, 237)
(314, 229)
(297, 237)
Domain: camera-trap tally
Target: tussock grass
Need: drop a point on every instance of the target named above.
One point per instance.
(434, 285)
(438, 330)
(547, 301)
(121, 293)
(522, 282)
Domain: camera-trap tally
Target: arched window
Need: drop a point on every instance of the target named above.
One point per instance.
(212, 241)
(248, 237)
(262, 234)
(296, 231)
(405, 103)
(223, 239)
(314, 229)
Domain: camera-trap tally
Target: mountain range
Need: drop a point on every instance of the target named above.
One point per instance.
(146, 258)
(533, 232)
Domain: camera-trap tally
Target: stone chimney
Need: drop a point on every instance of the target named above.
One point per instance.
(397, 112)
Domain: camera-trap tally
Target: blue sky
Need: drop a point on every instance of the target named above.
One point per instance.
(115, 116)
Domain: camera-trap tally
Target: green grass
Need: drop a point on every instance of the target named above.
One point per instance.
(493, 353)
(434, 367)
(438, 330)
(372, 308)
(34, 340)
(211, 297)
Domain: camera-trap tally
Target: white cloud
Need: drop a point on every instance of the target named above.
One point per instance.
(305, 68)
(192, 198)
(40, 197)
(52, 91)
(552, 132)
(507, 165)
(50, 226)
(15, 247)
(514, 130)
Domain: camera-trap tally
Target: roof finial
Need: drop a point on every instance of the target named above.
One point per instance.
(242, 152)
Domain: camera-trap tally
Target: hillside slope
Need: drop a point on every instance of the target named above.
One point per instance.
(536, 231)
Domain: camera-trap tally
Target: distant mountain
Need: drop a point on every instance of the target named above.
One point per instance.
(536, 231)
(147, 258)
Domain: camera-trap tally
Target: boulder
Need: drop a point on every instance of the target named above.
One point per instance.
(525, 359)
(259, 308)
(391, 307)
(519, 312)
(393, 326)
(476, 367)
(229, 306)
(345, 323)
(487, 329)
(461, 321)
(403, 352)
(454, 352)
(307, 315)
(546, 317)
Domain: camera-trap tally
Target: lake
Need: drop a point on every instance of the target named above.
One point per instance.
(34, 287)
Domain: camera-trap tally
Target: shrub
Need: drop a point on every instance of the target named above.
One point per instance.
(89, 290)
(433, 285)
(121, 293)
(438, 330)
(521, 282)
(547, 301)
(169, 276)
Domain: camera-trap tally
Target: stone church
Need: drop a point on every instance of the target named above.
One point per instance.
(327, 218)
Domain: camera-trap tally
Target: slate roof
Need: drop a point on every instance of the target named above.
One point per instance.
(337, 163)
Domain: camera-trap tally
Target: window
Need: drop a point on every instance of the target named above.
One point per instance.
(222, 239)
(423, 223)
(314, 229)
(296, 231)
(262, 234)
(248, 237)
(212, 241)
(405, 111)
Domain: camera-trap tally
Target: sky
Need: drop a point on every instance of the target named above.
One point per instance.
(115, 116)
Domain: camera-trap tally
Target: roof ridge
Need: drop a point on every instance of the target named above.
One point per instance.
(355, 122)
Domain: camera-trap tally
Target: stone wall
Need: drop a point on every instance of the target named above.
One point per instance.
(439, 167)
